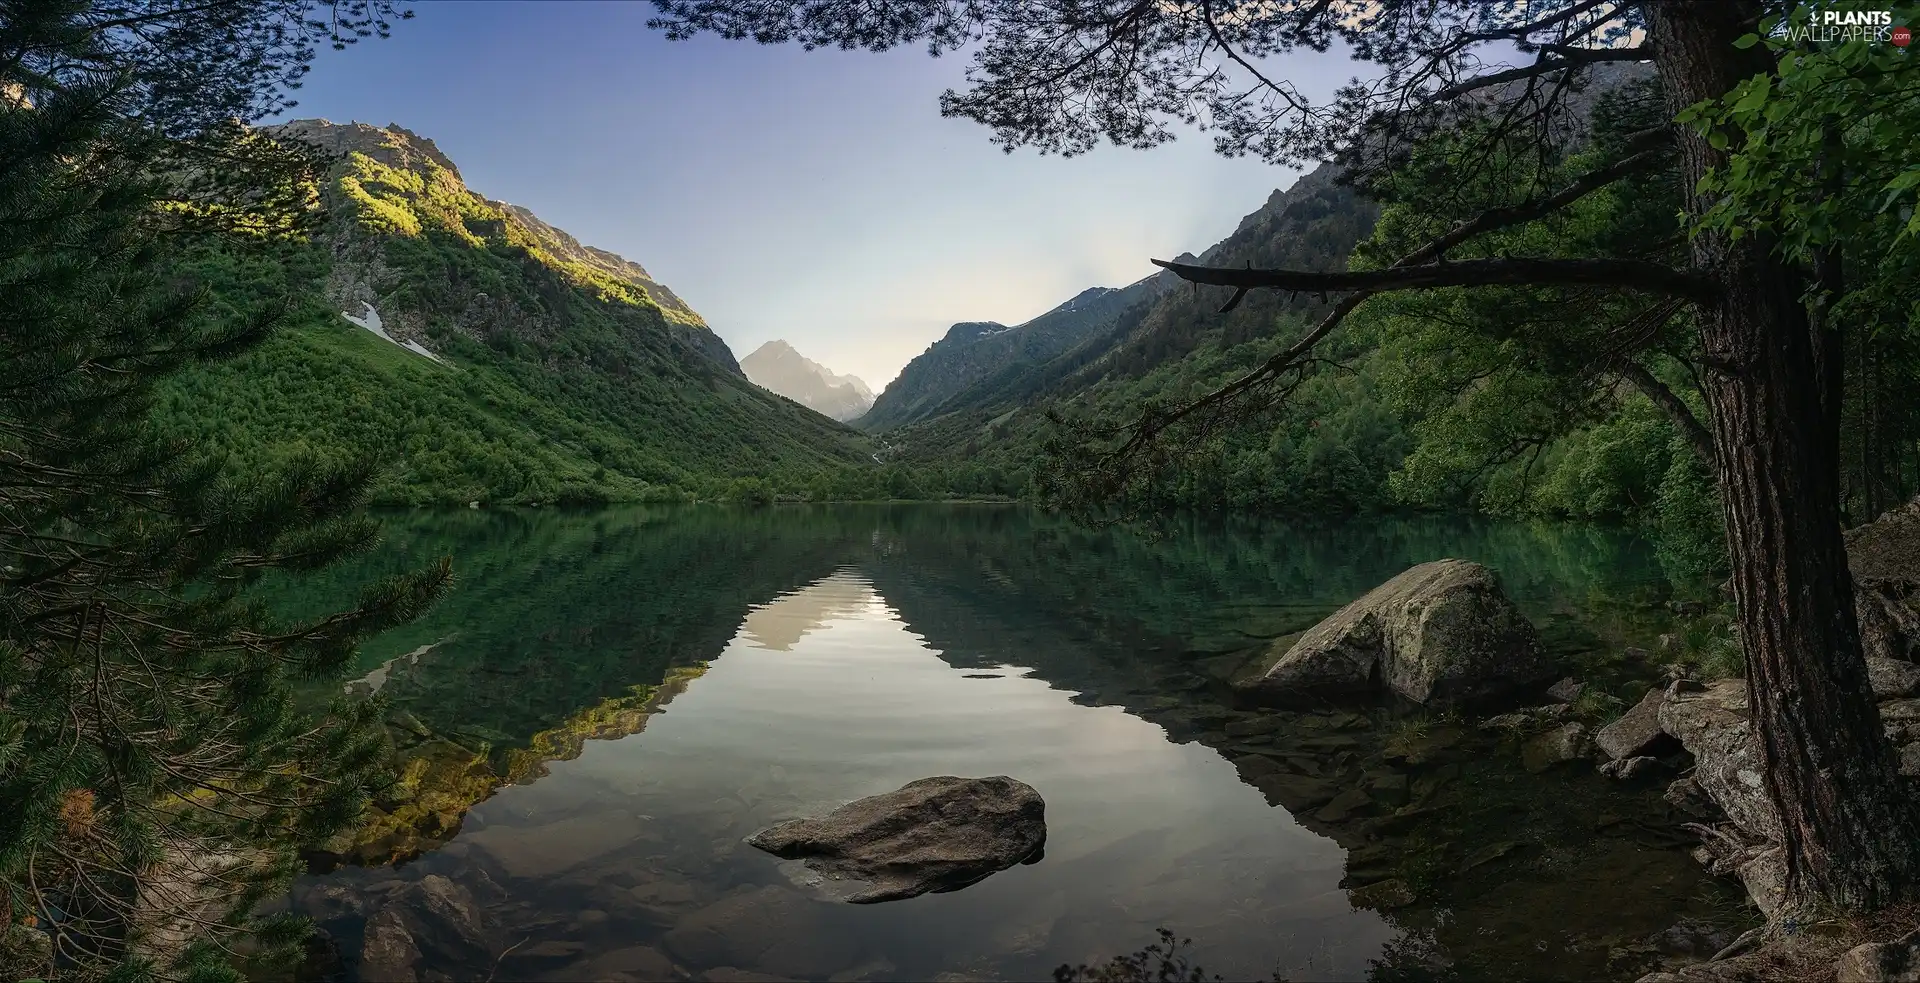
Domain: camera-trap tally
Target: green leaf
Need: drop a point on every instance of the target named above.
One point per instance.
(1747, 41)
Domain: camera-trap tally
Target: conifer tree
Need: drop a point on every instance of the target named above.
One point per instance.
(156, 771)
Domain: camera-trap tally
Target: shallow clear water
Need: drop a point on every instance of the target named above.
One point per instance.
(848, 651)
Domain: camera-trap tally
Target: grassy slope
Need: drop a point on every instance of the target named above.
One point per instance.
(560, 382)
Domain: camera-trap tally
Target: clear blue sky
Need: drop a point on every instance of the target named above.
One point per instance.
(812, 196)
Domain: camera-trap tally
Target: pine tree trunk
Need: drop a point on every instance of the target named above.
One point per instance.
(1852, 837)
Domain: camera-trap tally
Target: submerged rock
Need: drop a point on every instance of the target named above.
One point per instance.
(1566, 690)
(1628, 768)
(1567, 742)
(431, 922)
(933, 835)
(1884, 557)
(1439, 634)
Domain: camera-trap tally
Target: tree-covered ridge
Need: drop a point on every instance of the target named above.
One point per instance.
(564, 373)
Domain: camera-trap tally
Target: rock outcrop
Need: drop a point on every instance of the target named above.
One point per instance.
(1712, 725)
(933, 835)
(1884, 556)
(1638, 731)
(1439, 634)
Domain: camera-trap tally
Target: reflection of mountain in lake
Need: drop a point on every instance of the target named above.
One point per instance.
(781, 624)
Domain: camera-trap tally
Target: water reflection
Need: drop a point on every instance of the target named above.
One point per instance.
(628, 695)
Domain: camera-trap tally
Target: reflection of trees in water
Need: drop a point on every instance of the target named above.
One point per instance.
(1158, 962)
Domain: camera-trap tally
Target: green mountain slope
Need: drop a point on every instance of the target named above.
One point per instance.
(513, 364)
(1332, 450)
(977, 360)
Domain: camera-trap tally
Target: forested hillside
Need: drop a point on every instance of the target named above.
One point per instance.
(979, 361)
(1419, 401)
(517, 365)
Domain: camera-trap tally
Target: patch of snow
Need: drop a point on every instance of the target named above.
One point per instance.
(370, 319)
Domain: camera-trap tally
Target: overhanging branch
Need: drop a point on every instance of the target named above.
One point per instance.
(1568, 58)
(1632, 274)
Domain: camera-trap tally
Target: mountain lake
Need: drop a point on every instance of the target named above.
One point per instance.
(609, 702)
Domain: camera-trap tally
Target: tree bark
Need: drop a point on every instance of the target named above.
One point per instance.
(1852, 837)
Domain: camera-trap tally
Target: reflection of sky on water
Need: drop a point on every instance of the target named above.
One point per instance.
(825, 696)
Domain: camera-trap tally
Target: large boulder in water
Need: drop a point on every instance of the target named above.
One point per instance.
(1439, 634)
(933, 835)
(1884, 556)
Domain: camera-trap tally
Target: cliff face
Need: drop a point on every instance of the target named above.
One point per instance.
(778, 368)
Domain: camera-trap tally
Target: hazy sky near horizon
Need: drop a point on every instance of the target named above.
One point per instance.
(814, 196)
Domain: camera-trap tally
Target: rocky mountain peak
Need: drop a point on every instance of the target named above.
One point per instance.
(393, 145)
(777, 367)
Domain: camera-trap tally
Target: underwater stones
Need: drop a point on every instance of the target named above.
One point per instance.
(1389, 788)
(1489, 854)
(1566, 690)
(1637, 731)
(429, 922)
(1685, 795)
(929, 836)
(1629, 768)
(1880, 962)
(1529, 719)
(1713, 726)
(1251, 726)
(1295, 793)
(553, 848)
(1439, 634)
(1344, 806)
(388, 953)
(634, 964)
(1891, 679)
(767, 929)
(1383, 896)
(1567, 742)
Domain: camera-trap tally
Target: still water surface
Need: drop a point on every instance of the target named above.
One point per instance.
(818, 655)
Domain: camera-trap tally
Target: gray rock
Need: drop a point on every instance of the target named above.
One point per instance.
(1637, 731)
(1765, 876)
(1528, 720)
(1629, 768)
(1910, 761)
(933, 835)
(1884, 557)
(388, 953)
(1439, 634)
(1567, 742)
(1880, 962)
(431, 922)
(1566, 690)
(1891, 679)
(1713, 726)
(1685, 795)
(24, 951)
